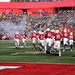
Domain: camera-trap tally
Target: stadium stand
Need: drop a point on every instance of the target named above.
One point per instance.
(34, 0)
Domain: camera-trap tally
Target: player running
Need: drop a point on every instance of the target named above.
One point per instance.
(16, 38)
(42, 41)
(65, 38)
(49, 39)
(24, 39)
(57, 42)
(34, 37)
(71, 40)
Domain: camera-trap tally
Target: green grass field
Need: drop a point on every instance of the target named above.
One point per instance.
(8, 53)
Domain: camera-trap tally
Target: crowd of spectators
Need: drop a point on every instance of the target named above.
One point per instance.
(10, 23)
(63, 18)
(35, 0)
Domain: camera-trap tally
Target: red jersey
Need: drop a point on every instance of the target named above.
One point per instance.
(65, 34)
(49, 35)
(61, 33)
(74, 32)
(17, 36)
(41, 37)
(57, 37)
(71, 37)
(68, 28)
(46, 32)
(34, 34)
(23, 36)
(38, 34)
(52, 33)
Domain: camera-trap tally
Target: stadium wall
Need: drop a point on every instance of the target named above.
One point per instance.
(36, 5)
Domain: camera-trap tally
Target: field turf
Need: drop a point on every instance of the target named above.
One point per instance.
(8, 53)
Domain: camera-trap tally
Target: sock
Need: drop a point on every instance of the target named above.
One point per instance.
(71, 46)
(59, 53)
(34, 46)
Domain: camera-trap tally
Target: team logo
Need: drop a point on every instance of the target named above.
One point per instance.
(9, 67)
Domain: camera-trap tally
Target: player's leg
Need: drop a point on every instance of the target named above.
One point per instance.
(71, 44)
(24, 42)
(59, 48)
(71, 47)
(59, 52)
(42, 45)
(45, 49)
(34, 43)
(50, 45)
(18, 43)
(55, 46)
(46, 45)
(64, 44)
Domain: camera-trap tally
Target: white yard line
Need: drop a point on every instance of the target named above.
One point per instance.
(27, 52)
(22, 47)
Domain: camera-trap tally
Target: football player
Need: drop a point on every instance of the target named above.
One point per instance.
(57, 42)
(71, 40)
(24, 39)
(49, 39)
(42, 41)
(34, 37)
(65, 38)
(16, 38)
